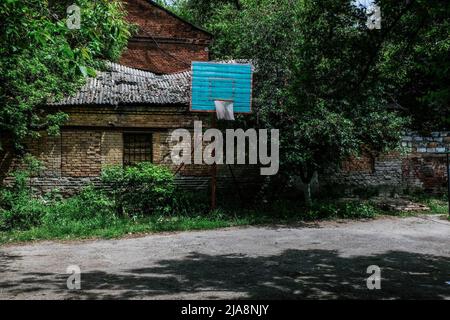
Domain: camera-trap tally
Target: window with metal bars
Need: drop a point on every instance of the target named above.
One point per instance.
(137, 147)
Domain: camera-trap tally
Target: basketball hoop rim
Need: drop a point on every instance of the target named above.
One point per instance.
(225, 100)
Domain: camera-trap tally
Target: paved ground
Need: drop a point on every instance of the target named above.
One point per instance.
(327, 260)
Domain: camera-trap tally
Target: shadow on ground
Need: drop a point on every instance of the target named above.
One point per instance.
(5, 261)
(293, 274)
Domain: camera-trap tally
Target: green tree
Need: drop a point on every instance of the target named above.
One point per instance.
(42, 59)
(331, 85)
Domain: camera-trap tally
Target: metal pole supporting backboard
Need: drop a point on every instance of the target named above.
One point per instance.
(448, 181)
(215, 81)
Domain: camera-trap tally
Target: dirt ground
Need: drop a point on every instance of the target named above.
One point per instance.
(325, 260)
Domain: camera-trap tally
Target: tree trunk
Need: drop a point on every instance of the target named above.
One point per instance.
(306, 175)
(307, 194)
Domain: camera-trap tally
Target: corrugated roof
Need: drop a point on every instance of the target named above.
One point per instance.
(121, 85)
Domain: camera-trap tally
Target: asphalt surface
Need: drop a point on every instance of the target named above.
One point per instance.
(312, 261)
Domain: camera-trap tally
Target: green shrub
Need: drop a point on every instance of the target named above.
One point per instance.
(190, 203)
(346, 210)
(90, 205)
(18, 209)
(358, 210)
(21, 212)
(142, 189)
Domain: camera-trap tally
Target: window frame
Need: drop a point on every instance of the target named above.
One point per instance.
(132, 157)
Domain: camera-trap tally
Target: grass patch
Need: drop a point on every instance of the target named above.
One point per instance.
(72, 219)
(72, 230)
(91, 215)
(148, 206)
(437, 205)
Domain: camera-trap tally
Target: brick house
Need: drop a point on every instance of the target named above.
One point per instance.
(125, 114)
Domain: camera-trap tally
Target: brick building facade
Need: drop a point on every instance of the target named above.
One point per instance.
(164, 43)
(125, 113)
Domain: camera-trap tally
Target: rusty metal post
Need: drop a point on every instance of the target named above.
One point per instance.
(448, 181)
(213, 170)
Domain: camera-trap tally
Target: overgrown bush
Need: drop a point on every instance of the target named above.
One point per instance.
(345, 210)
(18, 208)
(133, 191)
(140, 190)
(89, 205)
(288, 210)
(190, 203)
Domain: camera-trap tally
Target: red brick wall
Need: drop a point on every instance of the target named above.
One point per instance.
(155, 21)
(425, 171)
(364, 163)
(164, 43)
(165, 58)
(422, 166)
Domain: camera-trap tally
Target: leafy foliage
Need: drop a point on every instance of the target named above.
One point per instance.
(142, 189)
(331, 85)
(90, 208)
(408, 57)
(18, 208)
(42, 59)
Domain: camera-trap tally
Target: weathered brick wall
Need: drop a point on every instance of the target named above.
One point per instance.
(424, 166)
(419, 166)
(76, 157)
(93, 139)
(133, 117)
(111, 147)
(436, 142)
(384, 172)
(164, 43)
(193, 170)
(425, 172)
(81, 153)
(155, 21)
(46, 148)
(163, 58)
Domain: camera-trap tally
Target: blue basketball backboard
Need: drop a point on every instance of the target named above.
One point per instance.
(221, 81)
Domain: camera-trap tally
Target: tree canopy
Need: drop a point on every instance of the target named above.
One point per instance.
(410, 51)
(41, 58)
(328, 82)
